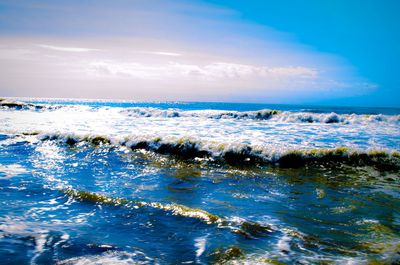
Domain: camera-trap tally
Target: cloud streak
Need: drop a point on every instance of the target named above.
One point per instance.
(173, 54)
(65, 49)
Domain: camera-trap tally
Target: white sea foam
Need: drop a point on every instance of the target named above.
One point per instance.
(214, 131)
(200, 244)
(216, 151)
(265, 114)
(110, 258)
(283, 244)
(12, 170)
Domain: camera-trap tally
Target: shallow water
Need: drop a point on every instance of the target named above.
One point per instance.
(197, 187)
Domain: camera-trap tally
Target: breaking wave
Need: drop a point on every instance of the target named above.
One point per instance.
(110, 258)
(264, 114)
(212, 114)
(7, 104)
(238, 154)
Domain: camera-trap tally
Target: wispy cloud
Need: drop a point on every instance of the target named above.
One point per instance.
(173, 54)
(66, 49)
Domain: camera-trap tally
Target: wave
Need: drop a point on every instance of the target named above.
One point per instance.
(175, 209)
(261, 115)
(7, 104)
(240, 154)
(265, 114)
(110, 257)
(240, 226)
(17, 105)
(245, 228)
(307, 117)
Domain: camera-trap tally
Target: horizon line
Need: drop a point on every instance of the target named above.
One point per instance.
(114, 100)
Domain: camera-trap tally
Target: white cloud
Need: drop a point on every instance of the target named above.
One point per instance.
(131, 70)
(294, 71)
(173, 54)
(66, 49)
(213, 71)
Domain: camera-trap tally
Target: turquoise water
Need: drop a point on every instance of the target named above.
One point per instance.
(198, 183)
(220, 106)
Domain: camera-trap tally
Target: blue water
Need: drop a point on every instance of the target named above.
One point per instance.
(335, 212)
(224, 106)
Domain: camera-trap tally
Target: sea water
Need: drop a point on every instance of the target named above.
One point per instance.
(98, 182)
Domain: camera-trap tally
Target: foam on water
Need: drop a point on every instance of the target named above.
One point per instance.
(174, 183)
(266, 114)
(263, 114)
(237, 153)
(110, 258)
(267, 133)
(10, 171)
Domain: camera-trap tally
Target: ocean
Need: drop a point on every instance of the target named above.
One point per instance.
(120, 182)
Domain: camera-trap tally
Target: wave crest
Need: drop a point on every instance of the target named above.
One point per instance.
(236, 225)
(258, 115)
(265, 114)
(241, 154)
(16, 105)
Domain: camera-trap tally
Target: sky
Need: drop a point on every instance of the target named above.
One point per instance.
(331, 52)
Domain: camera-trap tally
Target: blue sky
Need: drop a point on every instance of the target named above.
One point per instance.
(365, 32)
(311, 52)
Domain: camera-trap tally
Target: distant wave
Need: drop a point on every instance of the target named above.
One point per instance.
(212, 114)
(264, 114)
(19, 105)
(5, 103)
(238, 154)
